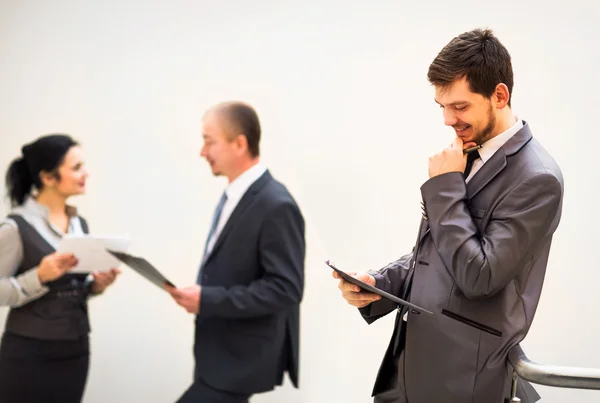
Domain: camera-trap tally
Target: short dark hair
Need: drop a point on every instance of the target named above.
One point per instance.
(477, 55)
(47, 154)
(244, 120)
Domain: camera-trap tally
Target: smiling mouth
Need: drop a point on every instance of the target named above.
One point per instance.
(461, 128)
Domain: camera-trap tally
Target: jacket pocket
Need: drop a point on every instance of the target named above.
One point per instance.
(472, 323)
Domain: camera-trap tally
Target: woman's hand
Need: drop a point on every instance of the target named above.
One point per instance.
(55, 265)
(103, 280)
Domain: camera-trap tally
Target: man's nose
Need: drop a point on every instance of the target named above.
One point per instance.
(449, 117)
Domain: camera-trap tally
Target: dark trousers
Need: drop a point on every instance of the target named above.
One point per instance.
(42, 371)
(199, 392)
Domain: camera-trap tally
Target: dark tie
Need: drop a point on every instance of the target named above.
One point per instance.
(213, 228)
(471, 157)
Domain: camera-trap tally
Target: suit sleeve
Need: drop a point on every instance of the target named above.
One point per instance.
(281, 253)
(390, 279)
(483, 264)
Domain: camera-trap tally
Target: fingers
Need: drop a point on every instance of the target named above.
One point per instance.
(187, 305)
(65, 261)
(353, 294)
(61, 256)
(469, 145)
(175, 293)
(366, 278)
(64, 257)
(184, 297)
(346, 286)
(457, 144)
(361, 299)
(104, 279)
(182, 301)
(171, 290)
(336, 275)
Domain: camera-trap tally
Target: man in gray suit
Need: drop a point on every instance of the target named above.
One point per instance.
(483, 243)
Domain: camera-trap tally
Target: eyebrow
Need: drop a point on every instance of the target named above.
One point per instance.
(455, 103)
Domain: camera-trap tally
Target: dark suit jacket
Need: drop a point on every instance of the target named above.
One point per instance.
(479, 267)
(247, 330)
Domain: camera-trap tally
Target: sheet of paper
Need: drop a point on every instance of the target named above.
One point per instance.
(91, 251)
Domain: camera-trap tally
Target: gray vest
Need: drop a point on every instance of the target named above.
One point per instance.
(61, 313)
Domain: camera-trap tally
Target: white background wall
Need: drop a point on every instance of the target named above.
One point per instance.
(349, 122)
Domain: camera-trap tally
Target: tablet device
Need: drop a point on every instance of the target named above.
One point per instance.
(375, 290)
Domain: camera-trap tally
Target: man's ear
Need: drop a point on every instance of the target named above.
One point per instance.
(241, 143)
(501, 96)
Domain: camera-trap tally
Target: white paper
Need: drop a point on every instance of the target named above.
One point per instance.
(90, 251)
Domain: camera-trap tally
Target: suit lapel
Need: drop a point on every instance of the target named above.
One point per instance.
(497, 163)
(243, 205)
(491, 168)
(488, 171)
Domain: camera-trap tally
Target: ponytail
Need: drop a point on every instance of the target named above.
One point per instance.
(45, 154)
(18, 181)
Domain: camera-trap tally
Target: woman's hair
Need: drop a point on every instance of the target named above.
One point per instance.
(46, 154)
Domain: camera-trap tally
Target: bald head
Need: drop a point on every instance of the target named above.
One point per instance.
(238, 119)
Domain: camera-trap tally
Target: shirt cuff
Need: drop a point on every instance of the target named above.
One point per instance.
(30, 283)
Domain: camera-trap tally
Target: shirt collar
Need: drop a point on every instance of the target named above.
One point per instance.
(490, 147)
(37, 209)
(236, 189)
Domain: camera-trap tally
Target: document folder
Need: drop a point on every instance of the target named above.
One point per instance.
(375, 290)
(143, 267)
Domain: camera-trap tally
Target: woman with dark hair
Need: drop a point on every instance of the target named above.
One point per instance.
(44, 352)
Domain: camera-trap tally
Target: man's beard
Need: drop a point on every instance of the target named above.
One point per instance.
(484, 134)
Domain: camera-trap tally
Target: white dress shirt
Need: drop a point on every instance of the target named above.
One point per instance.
(235, 191)
(490, 147)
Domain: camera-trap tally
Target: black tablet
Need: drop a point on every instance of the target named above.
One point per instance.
(374, 290)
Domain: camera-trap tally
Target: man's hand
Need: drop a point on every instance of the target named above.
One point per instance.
(450, 159)
(103, 280)
(352, 293)
(188, 297)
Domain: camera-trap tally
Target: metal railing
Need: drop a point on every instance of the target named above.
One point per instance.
(549, 375)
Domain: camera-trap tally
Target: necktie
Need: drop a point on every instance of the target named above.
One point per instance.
(213, 228)
(471, 157)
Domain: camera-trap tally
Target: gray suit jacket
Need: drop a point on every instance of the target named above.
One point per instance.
(480, 263)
